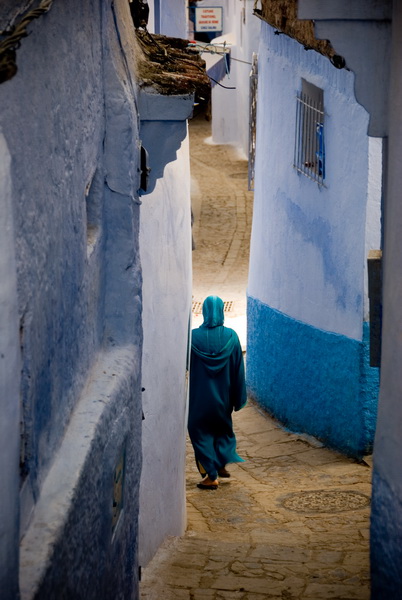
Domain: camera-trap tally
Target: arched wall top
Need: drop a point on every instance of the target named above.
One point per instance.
(360, 31)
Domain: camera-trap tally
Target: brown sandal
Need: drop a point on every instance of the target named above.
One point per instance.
(211, 485)
(223, 472)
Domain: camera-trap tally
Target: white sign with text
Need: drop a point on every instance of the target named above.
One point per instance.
(208, 19)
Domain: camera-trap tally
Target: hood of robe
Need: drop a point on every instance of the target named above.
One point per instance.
(212, 311)
(213, 346)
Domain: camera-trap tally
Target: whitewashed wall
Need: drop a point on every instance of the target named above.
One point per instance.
(308, 253)
(230, 108)
(169, 17)
(165, 244)
(308, 243)
(373, 213)
(165, 248)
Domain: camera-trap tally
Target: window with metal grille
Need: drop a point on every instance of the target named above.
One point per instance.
(309, 156)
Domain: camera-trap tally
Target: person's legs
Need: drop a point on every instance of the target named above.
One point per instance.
(200, 468)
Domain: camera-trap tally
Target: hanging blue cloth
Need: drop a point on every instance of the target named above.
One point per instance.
(217, 387)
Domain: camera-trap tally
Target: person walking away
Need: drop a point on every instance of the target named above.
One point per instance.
(217, 387)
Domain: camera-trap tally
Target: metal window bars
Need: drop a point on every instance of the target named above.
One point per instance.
(309, 154)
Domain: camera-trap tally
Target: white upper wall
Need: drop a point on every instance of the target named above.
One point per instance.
(230, 107)
(168, 17)
(373, 213)
(308, 243)
(165, 249)
(165, 246)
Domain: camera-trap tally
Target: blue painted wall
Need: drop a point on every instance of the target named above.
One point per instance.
(54, 125)
(312, 380)
(10, 366)
(307, 340)
(385, 536)
(70, 127)
(386, 520)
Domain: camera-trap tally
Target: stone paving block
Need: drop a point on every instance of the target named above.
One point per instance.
(250, 427)
(312, 457)
(346, 467)
(300, 531)
(349, 536)
(328, 556)
(270, 437)
(258, 585)
(323, 591)
(283, 449)
(216, 565)
(263, 596)
(260, 536)
(192, 560)
(365, 533)
(284, 554)
(360, 559)
(231, 582)
(175, 594)
(201, 594)
(230, 595)
(180, 577)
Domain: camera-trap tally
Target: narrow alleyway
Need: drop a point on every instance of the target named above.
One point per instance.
(293, 520)
(222, 209)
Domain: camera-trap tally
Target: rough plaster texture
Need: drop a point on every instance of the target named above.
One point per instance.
(361, 32)
(63, 554)
(70, 122)
(311, 380)
(307, 358)
(165, 244)
(54, 157)
(386, 519)
(307, 244)
(9, 386)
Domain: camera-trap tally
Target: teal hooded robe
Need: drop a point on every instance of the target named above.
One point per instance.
(217, 387)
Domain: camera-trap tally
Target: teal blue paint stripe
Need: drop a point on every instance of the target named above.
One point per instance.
(312, 380)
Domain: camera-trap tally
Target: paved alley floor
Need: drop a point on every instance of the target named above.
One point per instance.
(292, 522)
(222, 208)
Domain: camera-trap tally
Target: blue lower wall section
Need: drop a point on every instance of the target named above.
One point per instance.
(312, 380)
(385, 542)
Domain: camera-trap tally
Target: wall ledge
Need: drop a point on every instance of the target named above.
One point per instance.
(153, 106)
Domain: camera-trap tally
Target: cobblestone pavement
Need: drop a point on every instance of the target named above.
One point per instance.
(292, 522)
